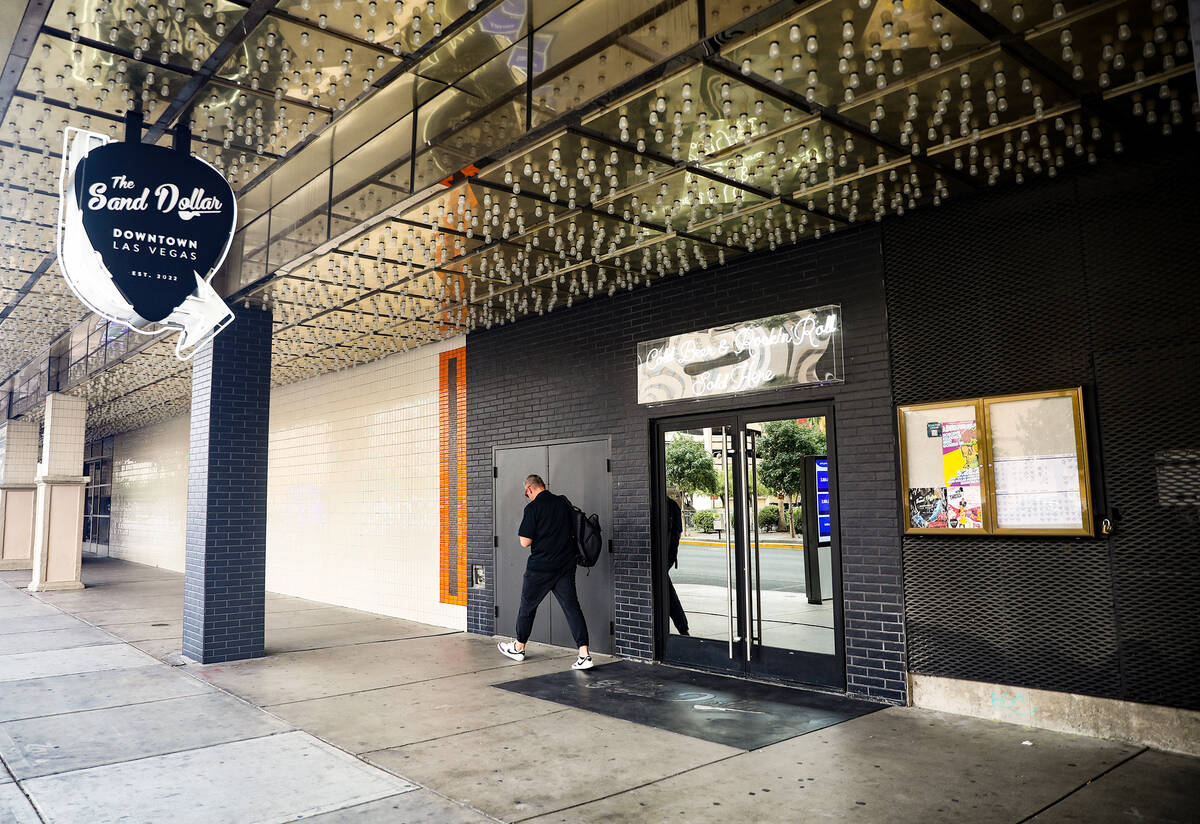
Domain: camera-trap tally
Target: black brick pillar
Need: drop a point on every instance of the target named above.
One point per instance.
(225, 580)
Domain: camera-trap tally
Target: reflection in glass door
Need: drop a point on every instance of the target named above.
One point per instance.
(747, 532)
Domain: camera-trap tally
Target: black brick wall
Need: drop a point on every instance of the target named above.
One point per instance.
(573, 373)
(225, 574)
(1090, 280)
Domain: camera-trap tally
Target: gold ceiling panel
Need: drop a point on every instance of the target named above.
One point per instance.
(767, 225)
(812, 153)
(1037, 148)
(674, 255)
(10, 281)
(30, 206)
(559, 93)
(249, 120)
(1118, 43)
(724, 15)
(28, 236)
(232, 162)
(670, 32)
(399, 25)
(183, 32)
(987, 90)
(1166, 104)
(41, 125)
(29, 169)
(80, 75)
(832, 52)
(578, 55)
(1022, 15)
(478, 44)
(894, 189)
(571, 161)
(367, 202)
(692, 115)
(468, 214)
(681, 197)
(22, 259)
(304, 64)
(576, 237)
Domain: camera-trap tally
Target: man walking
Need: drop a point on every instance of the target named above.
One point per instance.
(546, 529)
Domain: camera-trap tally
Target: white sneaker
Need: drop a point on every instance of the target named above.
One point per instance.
(509, 648)
(582, 662)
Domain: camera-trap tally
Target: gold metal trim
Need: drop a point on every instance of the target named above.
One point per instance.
(1085, 490)
(984, 478)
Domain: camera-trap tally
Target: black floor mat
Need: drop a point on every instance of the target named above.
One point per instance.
(742, 714)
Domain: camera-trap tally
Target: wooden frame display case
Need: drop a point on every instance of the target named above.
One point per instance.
(1003, 465)
(1037, 462)
(944, 487)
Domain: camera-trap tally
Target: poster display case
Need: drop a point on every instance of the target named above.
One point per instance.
(1012, 464)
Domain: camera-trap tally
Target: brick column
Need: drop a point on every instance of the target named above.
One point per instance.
(225, 577)
(18, 492)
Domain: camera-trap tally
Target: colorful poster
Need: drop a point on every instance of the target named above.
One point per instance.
(927, 507)
(960, 467)
(960, 453)
(964, 505)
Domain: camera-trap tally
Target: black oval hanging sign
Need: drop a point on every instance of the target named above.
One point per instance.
(142, 231)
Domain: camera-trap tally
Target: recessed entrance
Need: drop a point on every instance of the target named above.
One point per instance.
(746, 528)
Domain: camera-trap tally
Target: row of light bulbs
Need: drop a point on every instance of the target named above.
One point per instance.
(527, 281)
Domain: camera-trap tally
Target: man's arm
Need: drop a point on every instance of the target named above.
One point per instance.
(526, 530)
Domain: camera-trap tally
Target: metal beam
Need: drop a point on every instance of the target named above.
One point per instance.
(191, 92)
(22, 48)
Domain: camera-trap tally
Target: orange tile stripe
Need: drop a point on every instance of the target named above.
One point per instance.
(452, 476)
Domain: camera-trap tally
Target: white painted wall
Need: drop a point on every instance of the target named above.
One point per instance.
(352, 489)
(149, 494)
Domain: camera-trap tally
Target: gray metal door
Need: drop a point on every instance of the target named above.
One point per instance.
(579, 470)
(512, 465)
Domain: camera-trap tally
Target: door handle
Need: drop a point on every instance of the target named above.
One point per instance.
(751, 480)
(729, 598)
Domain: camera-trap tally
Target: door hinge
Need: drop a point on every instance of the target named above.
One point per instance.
(608, 464)
(610, 549)
(612, 628)
(495, 540)
(497, 611)
(495, 472)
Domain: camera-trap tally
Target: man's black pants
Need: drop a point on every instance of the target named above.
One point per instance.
(562, 584)
(678, 616)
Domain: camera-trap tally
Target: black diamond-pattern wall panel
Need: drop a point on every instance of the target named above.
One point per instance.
(1087, 281)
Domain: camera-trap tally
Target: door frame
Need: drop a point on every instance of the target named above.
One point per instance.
(495, 587)
(823, 671)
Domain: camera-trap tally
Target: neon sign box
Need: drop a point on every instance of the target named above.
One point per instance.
(794, 349)
(142, 230)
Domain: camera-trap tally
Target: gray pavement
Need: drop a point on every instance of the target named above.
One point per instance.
(363, 718)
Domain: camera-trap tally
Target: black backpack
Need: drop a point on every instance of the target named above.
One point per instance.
(589, 541)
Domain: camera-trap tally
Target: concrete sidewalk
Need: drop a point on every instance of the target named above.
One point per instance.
(360, 718)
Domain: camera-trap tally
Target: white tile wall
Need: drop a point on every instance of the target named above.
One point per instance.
(62, 448)
(352, 488)
(18, 452)
(149, 494)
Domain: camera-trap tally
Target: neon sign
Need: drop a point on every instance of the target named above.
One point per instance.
(795, 349)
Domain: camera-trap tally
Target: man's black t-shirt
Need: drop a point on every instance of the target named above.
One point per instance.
(547, 522)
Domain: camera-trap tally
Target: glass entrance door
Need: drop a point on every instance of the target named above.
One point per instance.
(749, 577)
